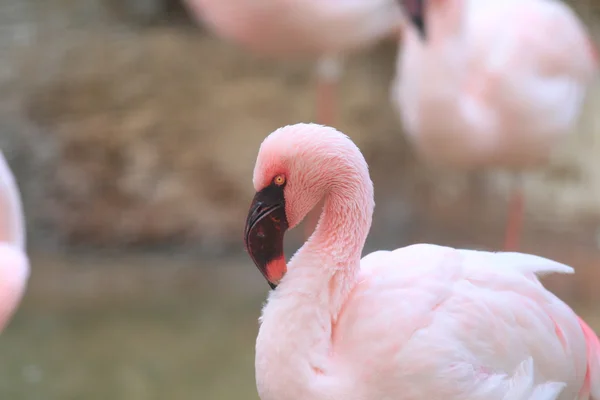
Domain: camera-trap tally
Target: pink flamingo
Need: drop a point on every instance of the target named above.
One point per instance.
(292, 29)
(419, 322)
(14, 263)
(305, 28)
(493, 84)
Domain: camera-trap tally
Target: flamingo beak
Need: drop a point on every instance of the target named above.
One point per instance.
(416, 12)
(263, 236)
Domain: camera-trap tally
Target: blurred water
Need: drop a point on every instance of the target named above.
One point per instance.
(139, 328)
(182, 339)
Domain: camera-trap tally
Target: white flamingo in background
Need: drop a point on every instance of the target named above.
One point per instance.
(419, 322)
(493, 83)
(293, 29)
(14, 263)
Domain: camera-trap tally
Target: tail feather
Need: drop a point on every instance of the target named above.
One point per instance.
(591, 385)
(522, 386)
(547, 391)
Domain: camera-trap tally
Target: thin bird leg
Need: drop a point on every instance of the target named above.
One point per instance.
(516, 211)
(328, 76)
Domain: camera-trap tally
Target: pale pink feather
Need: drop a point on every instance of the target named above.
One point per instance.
(592, 382)
(419, 322)
(300, 27)
(521, 386)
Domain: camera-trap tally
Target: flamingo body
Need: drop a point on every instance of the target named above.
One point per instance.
(494, 85)
(288, 28)
(14, 273)
(419, 322)
(424, 317)
(497, 83)
(14, 263)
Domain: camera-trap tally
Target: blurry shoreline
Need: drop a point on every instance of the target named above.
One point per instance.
(72, 278)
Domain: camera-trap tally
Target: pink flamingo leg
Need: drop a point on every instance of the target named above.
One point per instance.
(326, 90)
(328, 74)
(516, 211)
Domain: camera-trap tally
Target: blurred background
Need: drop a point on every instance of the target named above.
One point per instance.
(132, 132)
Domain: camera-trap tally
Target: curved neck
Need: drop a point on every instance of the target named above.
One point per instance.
(445, 61)
(12, 228)
(343, 227)
(298, 319)
(331, 256)
(445, 19)
(443, 69)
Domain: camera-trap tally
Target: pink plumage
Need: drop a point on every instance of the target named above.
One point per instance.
(14, 264)
(592, 383)
(496, 83)
(419, 322)
(300, 28)
(297, 29)
(521, 386)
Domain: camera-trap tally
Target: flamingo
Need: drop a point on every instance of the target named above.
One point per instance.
(420, 322)
(14, 263)
(493, 84)
(292, 29)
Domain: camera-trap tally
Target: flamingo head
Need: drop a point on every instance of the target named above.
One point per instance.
(296, 166)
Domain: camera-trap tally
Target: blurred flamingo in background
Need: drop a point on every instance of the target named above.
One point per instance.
(14, 263)
(419, 322)
(294, 29)
(493, 84)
